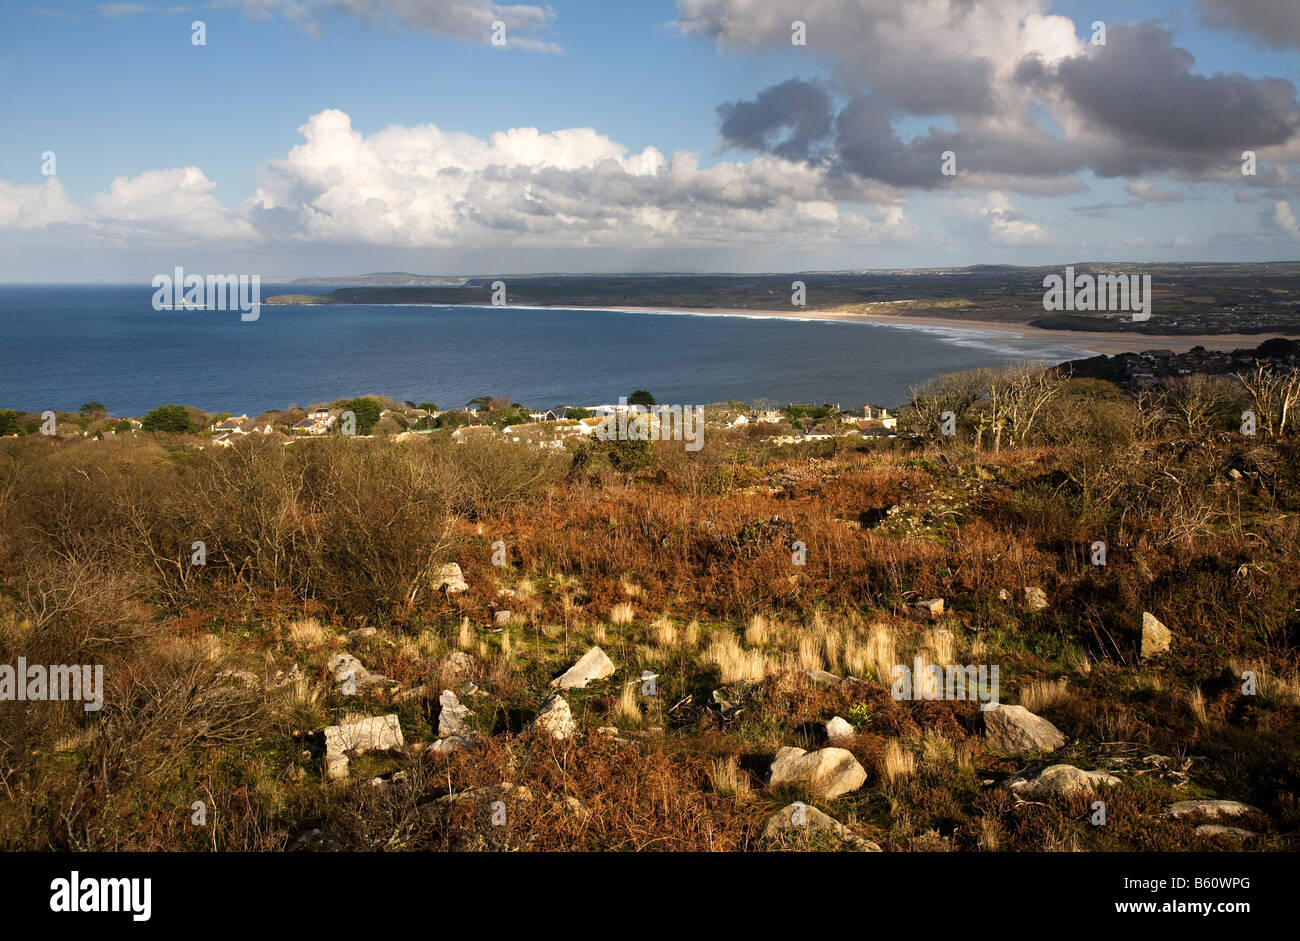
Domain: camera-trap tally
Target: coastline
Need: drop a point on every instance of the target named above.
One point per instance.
(1086, 343)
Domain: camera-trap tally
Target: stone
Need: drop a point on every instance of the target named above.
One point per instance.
(449, 577)
(362, 633)
(451, 715)
(502, 617)
(1017, 731)
(1061, 781)
(1035, 598)
(931, 607)
(554, 718)
(797, 822)
(592, 665)
(839, 730)
(452, 743)
(343, 665)
(1004, 595)
(1155, 636)
(375, 733)
(821, 677)
(827, 772)
(1213, 809)
(1218, 830)
(456, 664)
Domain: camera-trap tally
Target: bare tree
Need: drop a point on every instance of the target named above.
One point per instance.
(1275, 394)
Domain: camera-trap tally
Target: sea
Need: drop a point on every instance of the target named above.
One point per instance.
(64, 345)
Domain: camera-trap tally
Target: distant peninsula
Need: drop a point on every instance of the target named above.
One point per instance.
(1190, 299)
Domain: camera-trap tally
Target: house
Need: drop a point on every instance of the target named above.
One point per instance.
(737, 422)
(461, 435)
(320, 414)
(231, 425)
(768, 416)
(559, 413)
(823, 431)
(874, 413)
(313, 426)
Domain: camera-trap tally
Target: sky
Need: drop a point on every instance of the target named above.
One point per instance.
(335, 137)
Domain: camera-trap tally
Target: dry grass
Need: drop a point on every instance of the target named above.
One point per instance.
(735, 663)
(728, 779)
(307, 633)
(621, 614)
(1043, 694)
(896, 762)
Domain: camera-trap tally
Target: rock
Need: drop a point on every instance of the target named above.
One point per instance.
(456, 664)
(452, 743)
(1035, 598)
(1155, 636)
(1004, 595)
(1232, 833)
(827, 772)
(839, 730)
(930, 607)
(336, 766)
(554, 718)
(242, 677)
(1213, 809)
(797, 822)
(1061, 781)
(362, 633)
(821, 677)
(451, 715)
(315, 841)
(344, 665)
(1016, 730)
(592, 665)
(451, 578)
(502, 617)
(607, 731)
(375, 733)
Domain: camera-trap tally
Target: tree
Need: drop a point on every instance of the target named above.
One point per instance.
(9, 422)
(577, 414)
(428, 406)
(367, 412)
(172, 419)
(1276, 395)
(641, 397)
(93, 410)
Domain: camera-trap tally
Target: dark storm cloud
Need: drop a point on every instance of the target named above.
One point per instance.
(1275, 23)
(801, 110)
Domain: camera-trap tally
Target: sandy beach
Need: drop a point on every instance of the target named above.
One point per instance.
(1085, 342)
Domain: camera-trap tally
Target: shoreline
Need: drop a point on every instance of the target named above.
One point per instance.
(1083, 342)
(1087, 343)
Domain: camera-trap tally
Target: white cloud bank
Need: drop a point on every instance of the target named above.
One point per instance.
(426, 187)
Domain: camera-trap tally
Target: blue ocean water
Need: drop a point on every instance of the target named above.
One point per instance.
(65, 345)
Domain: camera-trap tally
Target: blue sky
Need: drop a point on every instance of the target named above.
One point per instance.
(117, 91)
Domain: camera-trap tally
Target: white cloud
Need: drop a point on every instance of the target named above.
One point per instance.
(27, 207)
(1285, 218)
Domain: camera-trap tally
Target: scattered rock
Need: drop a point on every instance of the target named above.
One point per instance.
(314, 841)
(1232, 833)
(1035, 598)
(1004, 595)
(839, 730)
(797, 822)
(821, 677)
(344, 665)
(452, 743)
(375, 733)
(607, 731)
(592, 665)
(451, 578)
(1213, 809)
(451, 715)
(827, 772)
(554, 718)
(1016, 730)
(1061, 781)
(1155, 636)
(930, 607)
(502, 617)
(456, 664)
(362, 633)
